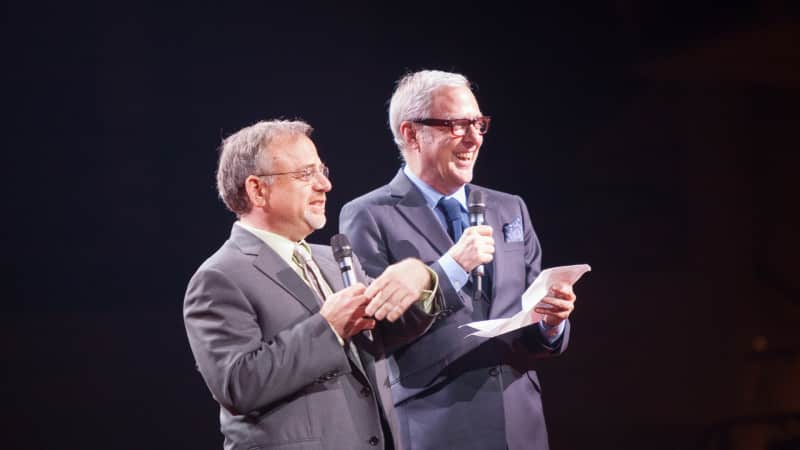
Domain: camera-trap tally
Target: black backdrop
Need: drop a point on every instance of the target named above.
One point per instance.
(655, 142)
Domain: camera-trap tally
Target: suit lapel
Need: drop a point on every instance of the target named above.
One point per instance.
(493, 220)
(271, 265)
(415, 210)
(330, 270)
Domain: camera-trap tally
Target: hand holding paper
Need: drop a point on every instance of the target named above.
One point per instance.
(539, 289)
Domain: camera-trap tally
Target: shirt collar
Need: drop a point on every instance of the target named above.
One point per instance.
(432, 196)
(282, 246)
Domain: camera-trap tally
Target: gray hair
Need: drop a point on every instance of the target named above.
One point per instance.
(244, 153)
(412, 97)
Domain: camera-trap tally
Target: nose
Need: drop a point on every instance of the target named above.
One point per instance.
(321, 182)
(472, 135)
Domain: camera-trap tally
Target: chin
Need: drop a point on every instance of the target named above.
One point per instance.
(315, 221)
(463, 178)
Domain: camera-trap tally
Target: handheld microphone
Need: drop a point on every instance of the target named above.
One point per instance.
(343, 254)
(477, 216)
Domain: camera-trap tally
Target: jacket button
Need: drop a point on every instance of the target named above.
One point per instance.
(493, 371)
(365, 391)
(373, 441)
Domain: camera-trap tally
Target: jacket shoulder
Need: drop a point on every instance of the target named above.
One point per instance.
(495, 196)
(379, 196)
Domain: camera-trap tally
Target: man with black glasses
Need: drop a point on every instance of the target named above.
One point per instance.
(451, 391)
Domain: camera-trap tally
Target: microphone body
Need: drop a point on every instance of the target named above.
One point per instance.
(343, 254)
(477, 216)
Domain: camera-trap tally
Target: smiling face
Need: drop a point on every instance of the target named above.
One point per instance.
(437, 157)
(294, 208)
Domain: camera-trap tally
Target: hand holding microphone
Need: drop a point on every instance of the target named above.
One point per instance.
(343, 254)
(393, 291)
(477, 216)
(476, 245)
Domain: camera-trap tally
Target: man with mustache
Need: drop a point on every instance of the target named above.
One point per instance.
(291, 355)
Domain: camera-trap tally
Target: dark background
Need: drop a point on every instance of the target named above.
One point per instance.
(656, 141)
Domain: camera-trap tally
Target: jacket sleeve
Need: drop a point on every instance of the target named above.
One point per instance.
(533, 338)
(370, 260)
(245, 370)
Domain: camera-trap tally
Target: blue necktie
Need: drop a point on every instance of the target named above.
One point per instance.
(452, 214)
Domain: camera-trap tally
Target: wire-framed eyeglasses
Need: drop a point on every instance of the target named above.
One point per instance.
(305, 174)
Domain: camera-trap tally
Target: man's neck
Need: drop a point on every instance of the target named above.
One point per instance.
(259, 223)
(430, 193)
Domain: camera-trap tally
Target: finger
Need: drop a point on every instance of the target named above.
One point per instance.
(355, 303)
(379, 283)
(350, 291)
(385, 307)
(394, 299)
(564, 315)
(551, 305)
(562, 290)
(395, 313)
(364, 323)
(361, 310)
(483, 230)
(357, 288)
(557, 303)
(383, 310)
(485, 240)
(553, 314)
(390, 294)
(358, 325)
(400, 309)
(375, 303)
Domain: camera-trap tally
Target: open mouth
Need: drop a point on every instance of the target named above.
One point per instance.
(465, 157)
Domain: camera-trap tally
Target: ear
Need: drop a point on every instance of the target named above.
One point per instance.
(409, 134)
(257, 191)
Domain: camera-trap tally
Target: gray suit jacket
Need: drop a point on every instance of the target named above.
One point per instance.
(451, 391)
(273, 363)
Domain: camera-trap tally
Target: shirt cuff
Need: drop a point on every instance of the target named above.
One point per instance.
(454, 272)
(551, 333)
(425, 301)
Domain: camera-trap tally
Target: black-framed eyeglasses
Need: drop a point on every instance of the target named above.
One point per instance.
(305, 174)
(458, 127)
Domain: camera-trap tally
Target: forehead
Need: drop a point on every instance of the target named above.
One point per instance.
(293, 152)
(454, 102)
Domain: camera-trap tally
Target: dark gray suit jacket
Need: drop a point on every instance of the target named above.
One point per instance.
(451, 391)
(274, 364)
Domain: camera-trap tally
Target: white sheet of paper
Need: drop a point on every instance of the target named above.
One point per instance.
(533, 295)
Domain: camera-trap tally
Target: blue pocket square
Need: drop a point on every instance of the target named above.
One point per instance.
(512, 231)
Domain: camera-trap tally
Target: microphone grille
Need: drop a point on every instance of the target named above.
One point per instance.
(341, 247)
(477, 200)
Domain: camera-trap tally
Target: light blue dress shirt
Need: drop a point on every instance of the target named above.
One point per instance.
(454, 272)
